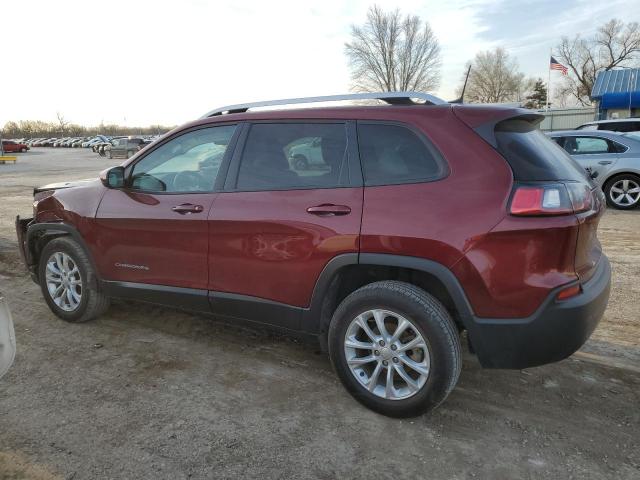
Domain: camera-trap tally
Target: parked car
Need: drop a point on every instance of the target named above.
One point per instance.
(427, 220)
(305, 154)
(92, 141)
(126, 147)
(9, 146)
(613, 158)
(7, 338)
(617, 125)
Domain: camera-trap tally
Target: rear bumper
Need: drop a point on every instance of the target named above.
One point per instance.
(554, 332)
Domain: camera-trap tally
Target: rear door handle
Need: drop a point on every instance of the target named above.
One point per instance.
(329, 209)
(605, 162)
(185, 208)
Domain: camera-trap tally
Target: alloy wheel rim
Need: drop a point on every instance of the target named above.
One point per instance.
(64, 282)
(387, 354)
(625, 192)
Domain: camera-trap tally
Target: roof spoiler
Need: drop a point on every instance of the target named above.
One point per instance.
(484, 120)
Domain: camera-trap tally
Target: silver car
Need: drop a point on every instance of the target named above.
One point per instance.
(612, 158)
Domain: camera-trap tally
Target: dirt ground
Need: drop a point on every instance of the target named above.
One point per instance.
(150, 392)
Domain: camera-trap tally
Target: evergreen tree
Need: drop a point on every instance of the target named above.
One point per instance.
(537, 99)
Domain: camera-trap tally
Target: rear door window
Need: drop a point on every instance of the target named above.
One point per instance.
(393, 154)
(586, 145)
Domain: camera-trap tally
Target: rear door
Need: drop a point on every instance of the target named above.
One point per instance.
(278, 223)
(116, 147)
(594, 154)
(154, 230)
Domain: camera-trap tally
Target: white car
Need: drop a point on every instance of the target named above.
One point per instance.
(7, 338)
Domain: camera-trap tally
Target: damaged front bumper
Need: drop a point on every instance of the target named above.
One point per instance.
(22, 225)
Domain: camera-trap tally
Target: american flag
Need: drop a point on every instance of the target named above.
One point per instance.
(555, 65)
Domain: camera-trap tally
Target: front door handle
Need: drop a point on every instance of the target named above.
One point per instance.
(185, 208)
(329, 209)
(605, 162)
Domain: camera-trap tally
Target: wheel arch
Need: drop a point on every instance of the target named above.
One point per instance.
(346, 273)
(40, 234)
(617, 174)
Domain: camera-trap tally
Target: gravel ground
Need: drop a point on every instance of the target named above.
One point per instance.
(151, 392)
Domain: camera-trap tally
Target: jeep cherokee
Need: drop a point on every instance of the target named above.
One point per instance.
(421, 221)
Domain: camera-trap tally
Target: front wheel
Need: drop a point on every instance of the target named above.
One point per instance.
(395, 348)
(66, 278)
(623, 191)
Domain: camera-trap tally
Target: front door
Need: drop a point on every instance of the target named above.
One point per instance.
(279, 222)
(154, 231)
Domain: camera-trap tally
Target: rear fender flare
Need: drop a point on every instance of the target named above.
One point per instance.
(315, 320)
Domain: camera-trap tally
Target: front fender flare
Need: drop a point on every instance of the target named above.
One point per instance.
(55, 229)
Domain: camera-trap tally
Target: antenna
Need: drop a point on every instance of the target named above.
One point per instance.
(464, 87)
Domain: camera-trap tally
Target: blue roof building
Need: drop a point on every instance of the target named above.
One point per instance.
(617, 93)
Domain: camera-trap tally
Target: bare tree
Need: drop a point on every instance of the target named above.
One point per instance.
(393, 53)
(63, 123)
(495, 78)
(614, 44)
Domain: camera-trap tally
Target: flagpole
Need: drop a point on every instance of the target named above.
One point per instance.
(549, 77)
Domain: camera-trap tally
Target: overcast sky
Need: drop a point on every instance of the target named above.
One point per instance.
(139, 63)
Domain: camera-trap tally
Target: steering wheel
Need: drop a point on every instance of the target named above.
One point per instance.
(187, 181)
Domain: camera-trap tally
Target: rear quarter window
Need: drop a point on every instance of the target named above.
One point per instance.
(533, 156)
(394, 154)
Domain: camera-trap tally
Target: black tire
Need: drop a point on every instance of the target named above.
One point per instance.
(109, 154)
(300, 162)
(608, 194)
(434, 324)
(93, 302)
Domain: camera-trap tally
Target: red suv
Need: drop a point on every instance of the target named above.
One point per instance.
(9, 146)
(414, 223)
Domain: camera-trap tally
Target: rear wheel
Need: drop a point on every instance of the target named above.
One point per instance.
(623, 191)
(300, 162)
(109, 154)
(395, 348)
(65, 275)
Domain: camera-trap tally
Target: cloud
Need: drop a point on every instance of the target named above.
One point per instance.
(169, 62)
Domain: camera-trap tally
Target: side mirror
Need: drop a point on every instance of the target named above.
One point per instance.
(113, 177)
(7, 338)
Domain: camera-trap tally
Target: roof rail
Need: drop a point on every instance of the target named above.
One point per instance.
(393, 98)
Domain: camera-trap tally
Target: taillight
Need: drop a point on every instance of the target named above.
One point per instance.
(581, 196)
(550, 199)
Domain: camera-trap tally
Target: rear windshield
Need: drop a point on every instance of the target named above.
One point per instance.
(533, 156)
